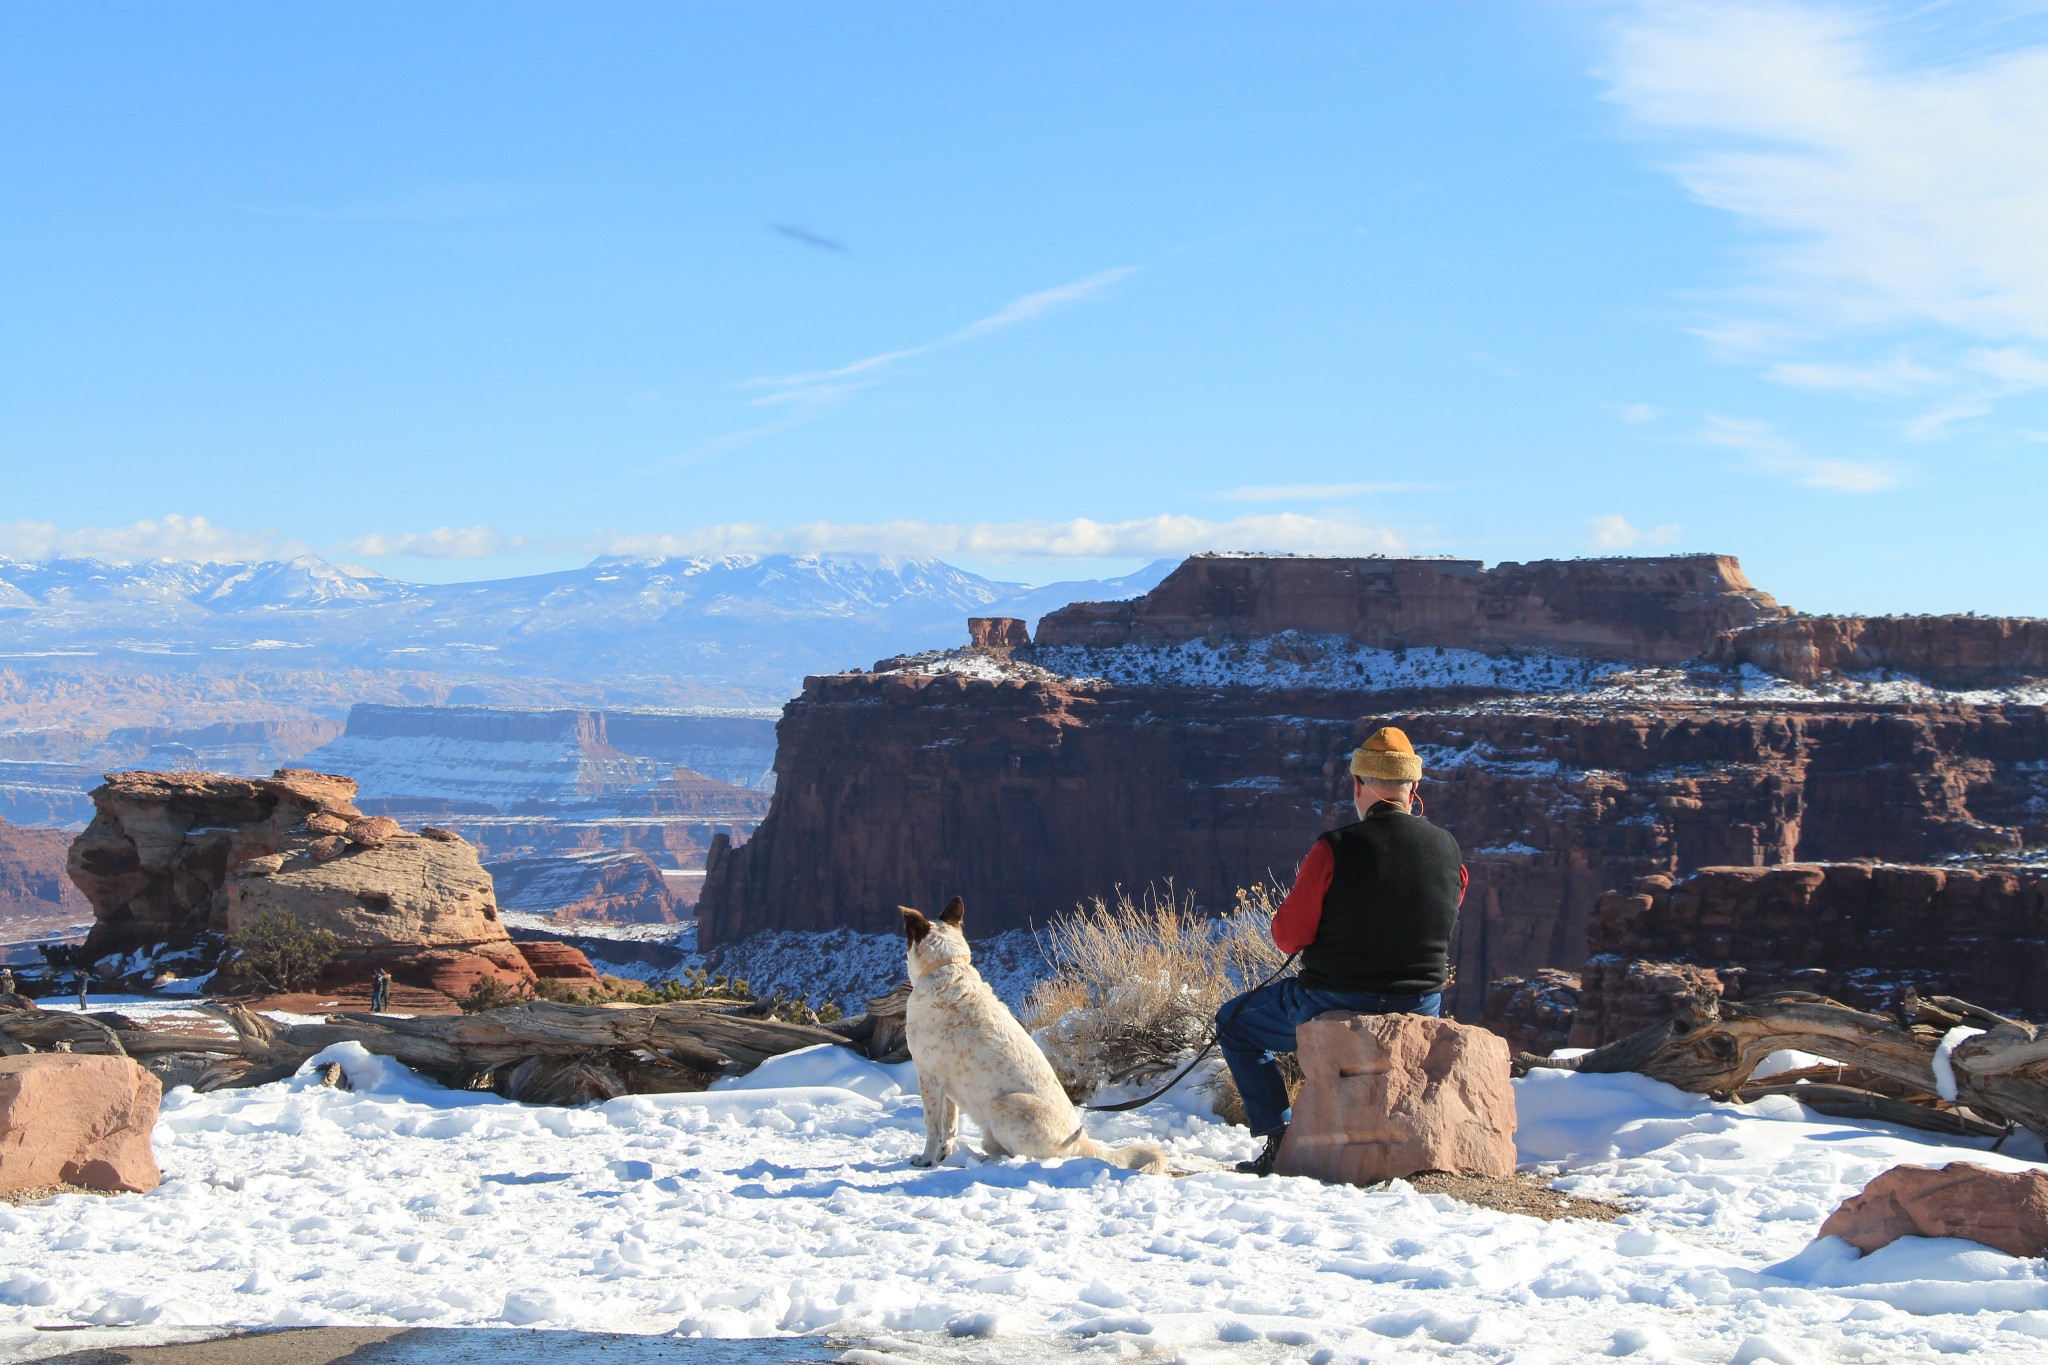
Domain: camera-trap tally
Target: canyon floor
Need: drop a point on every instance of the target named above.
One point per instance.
(783, 1205)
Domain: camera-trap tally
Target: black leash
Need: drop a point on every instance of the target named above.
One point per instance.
(1207, 1047)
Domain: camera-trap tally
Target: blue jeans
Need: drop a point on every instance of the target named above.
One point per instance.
(1259, 1023)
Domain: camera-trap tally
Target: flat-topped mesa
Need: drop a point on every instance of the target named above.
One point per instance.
(1948, 651)
(1651, 610)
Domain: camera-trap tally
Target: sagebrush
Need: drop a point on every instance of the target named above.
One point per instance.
(1134, 983)
(694, 984)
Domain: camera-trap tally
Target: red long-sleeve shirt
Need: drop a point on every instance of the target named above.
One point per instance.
(1301, 914)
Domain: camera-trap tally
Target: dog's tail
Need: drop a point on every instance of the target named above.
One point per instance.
(1138, 1156)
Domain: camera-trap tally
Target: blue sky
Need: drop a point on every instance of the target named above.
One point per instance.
(1048, 290)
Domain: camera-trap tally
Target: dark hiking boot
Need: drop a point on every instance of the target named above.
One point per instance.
(1262, 1164)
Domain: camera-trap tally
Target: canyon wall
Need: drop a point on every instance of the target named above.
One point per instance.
(35, 895)
(1027, 797)
(1167, 737)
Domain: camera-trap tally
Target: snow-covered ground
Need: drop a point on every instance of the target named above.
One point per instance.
(784, 1203)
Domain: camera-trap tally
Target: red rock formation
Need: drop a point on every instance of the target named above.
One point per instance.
(1652, 610)
(1858, 932)
(1534, 1014)
(997, 632)
(161, 845)
(77, 1119)
(170, 856)
(613, 888)
(1030, 797)
(1950, 651)
(552, 961)
(2004, 1210)
(1035, 792)
(35, 895)
(1387, 1096)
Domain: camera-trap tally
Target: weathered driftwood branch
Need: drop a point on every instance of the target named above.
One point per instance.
(539, 1051)
(1712, 1046)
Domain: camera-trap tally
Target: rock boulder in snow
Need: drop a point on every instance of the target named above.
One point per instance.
(77, 1119)
(2004, 1210)
(1385, 1096)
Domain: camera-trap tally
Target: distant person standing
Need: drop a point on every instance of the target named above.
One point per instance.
(6, 980)
(82, 982)
(380, 991)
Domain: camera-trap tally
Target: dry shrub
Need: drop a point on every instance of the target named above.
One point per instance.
(1135, 984)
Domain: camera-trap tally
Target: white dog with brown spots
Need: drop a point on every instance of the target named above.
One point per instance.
(972, 1054)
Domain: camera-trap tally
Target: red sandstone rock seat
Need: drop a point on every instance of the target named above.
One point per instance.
(1385, 1096)
(77, 1119)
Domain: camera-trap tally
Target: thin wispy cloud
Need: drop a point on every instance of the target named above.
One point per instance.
(1619, 533)
(828, 384)
(168, 537)
(1767, 451)
(1894, 186)
(1076, 538)
(809, 395)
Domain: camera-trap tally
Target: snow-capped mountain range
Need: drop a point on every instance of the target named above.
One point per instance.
(758, 622)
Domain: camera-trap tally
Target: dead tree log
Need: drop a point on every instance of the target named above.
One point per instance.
(539, 1051)
(1712, 1046)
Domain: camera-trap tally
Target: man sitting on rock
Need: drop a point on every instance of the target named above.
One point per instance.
(1371, 913)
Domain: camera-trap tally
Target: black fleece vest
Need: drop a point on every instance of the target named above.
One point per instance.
(1390, 910)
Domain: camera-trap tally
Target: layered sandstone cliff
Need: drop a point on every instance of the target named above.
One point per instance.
(1652, 610)
(1201, 734)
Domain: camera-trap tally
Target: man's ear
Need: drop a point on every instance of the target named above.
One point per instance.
(915, 925)
(955, 909)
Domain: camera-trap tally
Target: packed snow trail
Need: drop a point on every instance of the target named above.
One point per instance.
(784, 1203)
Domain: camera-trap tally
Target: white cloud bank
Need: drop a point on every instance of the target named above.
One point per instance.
(1768, 452)
(1618, 533)
(169, 537)
(1078, 538)
(1897, 189)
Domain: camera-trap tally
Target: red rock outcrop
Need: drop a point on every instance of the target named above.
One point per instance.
(2004, 1210)
(1859, 932)
(551, 961)
(35, 895)
(1652, 610)
(1386, 1096)
(1534, 1013)
(171, 856)
(997, 632)
(77, 1119)
(1950, 651)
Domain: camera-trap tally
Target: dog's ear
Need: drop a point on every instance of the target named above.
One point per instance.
(955, 909)
(915, 925)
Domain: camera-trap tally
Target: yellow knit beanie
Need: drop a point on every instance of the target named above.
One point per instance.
(1386, 756)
